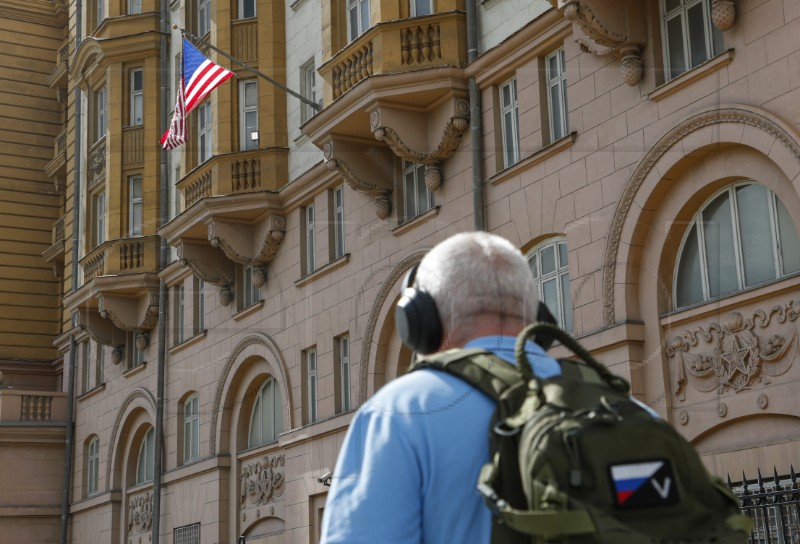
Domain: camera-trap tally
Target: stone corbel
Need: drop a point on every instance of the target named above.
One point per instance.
(129, 313)
(210, 265)
(247, 244)
(99, 329)
(365, 167)
(609, 27)
(386, 124)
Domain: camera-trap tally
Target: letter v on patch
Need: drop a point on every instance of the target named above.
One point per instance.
(644, 484)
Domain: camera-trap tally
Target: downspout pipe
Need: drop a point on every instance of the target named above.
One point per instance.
(158, 468)
(475, 121)
(76, 216)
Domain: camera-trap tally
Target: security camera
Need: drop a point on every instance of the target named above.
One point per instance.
(325, 479)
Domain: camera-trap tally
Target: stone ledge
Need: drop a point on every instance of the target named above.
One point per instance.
(539, 156)
(690, 76)
(411, 223)
(330, 267)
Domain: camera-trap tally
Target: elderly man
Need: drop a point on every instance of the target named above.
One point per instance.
(409, 464)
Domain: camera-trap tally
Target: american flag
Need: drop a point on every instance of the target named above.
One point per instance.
(199, 76)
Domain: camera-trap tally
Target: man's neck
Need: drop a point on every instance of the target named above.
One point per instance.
(489, 325)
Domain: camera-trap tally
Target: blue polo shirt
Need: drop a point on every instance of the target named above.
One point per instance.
(409, 464)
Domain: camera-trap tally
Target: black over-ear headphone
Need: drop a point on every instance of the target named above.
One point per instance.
(417, 317)
(420, 327)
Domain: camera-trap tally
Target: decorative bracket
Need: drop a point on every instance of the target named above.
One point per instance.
(385, 122)
(361, 162)
(128, 314)
(247, 244)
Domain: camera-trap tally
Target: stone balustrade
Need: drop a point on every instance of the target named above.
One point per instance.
(32, 406)
(244, 40)
(122, 256)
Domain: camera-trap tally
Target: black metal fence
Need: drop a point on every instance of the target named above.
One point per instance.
(774, 506)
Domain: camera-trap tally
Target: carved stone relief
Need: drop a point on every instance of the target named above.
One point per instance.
(261, 484)
(738, 353)
(140, 518)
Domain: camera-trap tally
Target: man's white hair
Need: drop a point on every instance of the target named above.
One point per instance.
(473, 274)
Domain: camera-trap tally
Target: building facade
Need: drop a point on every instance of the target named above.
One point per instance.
(219, 311)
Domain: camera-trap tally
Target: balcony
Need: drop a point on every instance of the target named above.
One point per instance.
(399, 90)
(58, 77)
(132, 147)
(122, 256)
(57, 168)
(235, 173)
(55, 253)
(32, 406)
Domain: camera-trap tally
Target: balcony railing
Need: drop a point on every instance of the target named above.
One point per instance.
(57, 166)
(234, 173)
(397, 46)
(244, 40)
(132, 147)
(58, 77)
(58, 231)
(32, 406)
(122, 256)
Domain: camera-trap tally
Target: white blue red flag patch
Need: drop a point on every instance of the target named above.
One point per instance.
(644, 484)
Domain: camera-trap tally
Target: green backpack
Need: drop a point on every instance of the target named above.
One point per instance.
(574, 459)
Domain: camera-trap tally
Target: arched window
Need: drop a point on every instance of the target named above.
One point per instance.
(92, 465)
(549, 265)
(743, 236)
(266, 422)
(144, 467)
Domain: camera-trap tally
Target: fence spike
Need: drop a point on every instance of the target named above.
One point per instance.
(760, 482)
(728, 477)
(775, 476)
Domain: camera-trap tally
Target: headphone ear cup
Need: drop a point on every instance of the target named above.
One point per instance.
(417, 320)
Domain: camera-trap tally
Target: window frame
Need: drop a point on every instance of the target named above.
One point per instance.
(245, 142)
(86, 369)
(100, 12)
(99, 218)
(308, 89)
(99, 364)
(564, 313)
(276, 411)
(100, 100)
(343, 376)
(180, 314)
(698, 225)
(361, 25)
(199, 306)
(412, 9)
(186, 534)
(511, 150)
(559, 81)
(146, 455)
(136, 98)
(309, 239)
(93, 466)
(191, 428)
(203, 17)
(414, 174)
(709, 35)
(311, 397)
(135, 204)
(242, 12)
(134, 7)
(339, 243)
(205, 135)
(133, 357)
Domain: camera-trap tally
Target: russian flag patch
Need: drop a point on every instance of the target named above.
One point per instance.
(643, 484)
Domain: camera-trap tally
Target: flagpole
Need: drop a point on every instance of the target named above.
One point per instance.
(243, 65)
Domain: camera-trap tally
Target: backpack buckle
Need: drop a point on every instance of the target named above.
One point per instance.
(505, 431)
(493, 502)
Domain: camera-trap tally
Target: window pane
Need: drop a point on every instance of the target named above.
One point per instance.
(566, 297)
(669, 5)
(505, 96)
(790, 244)
(364, 16)
(508, 138)
(717, 41)
(689, 285)
(720, 256)
(255, 424)
(410, 195)
(353, 22)
(534, 268)
(422, 190)
(250, 95)
(756, 233)
(552, 66)
(562, 255)
(697, 34)
(556, 112)
(677, 65)
(550, 298)
(248, 9)
(422, 7)
(548, 257)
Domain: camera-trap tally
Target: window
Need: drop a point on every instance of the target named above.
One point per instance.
(204, 131)
(100, 113)
(689, 37)
(188, 534)
(550, 271)
(342, 374)
(248, 114)
(99, 206)
(742, 237)
(135, 206)
(417, 199)
(337, 232)
(266, 423)
(421, 7)
(357, 18)
(310, 366)
(249, 294)
(247, 9)
(145, 465)
(99, 362)
(92, 466)
(100, 7)
(134, 7)
(308, 90)
(509, 122)
(203, 17)
(137, 98)
(191, 429)
(134, 357)
(180, 310)
(199, 322)
(308, 240)
(556, 73)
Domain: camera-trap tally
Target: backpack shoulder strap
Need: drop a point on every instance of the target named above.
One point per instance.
(479, 368)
